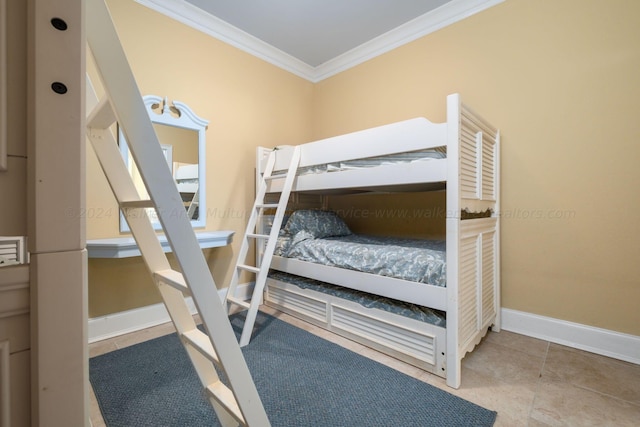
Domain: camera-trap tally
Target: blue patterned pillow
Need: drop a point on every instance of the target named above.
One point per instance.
(318, 223)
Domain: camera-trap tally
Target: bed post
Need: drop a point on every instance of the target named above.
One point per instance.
(453, 359)
(497, 324)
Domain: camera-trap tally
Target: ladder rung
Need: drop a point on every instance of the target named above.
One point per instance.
(272, 177)
(102, 116)
(249, 268)
(137, 204)
(258, 236)
(237, 301)
(267, 206)
(224, 396)
(172, 278)
(201, 342)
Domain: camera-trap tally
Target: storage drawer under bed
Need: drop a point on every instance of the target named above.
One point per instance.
(412, 341)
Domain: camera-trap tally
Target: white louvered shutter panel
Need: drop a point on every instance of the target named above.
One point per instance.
(488, 276)
(467, 289)
(469, 179)
(488, 168)
(12, 249)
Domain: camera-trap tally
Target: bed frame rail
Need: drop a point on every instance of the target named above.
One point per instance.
(415, 134)
(412, 292)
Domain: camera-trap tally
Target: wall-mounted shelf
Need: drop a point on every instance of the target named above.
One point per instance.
(124, 247)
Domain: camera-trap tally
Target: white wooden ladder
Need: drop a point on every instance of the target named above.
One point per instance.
(253, 235)
(236, 402)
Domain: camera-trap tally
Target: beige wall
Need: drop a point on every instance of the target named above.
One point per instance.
(14, 281)
(559, 77)
(13, 182)
(247, 101)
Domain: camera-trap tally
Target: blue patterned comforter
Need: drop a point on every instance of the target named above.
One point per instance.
(408, 259)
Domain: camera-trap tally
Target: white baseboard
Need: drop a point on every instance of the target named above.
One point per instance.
(595, 340)
(124, 322)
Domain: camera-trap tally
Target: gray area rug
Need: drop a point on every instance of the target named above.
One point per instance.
(303, 380)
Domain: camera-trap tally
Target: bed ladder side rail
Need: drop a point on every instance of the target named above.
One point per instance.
(253, 235)
(235, 401)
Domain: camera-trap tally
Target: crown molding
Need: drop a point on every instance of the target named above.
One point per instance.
(447, 14)
(430, 22)
(186, 13)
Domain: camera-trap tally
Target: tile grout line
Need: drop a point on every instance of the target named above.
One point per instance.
(595, 357)
(619, 399)
(538, 383)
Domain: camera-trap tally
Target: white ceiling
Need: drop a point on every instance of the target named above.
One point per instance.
(316, 39)
(315, 31)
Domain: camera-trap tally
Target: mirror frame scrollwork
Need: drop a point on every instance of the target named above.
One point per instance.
(178, 115)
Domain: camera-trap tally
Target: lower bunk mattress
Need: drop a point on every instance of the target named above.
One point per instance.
(416, 260)
(408, 332)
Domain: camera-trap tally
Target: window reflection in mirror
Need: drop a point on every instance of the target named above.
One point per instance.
(182, 137)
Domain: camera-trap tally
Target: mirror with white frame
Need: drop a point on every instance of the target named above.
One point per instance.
(182, 136)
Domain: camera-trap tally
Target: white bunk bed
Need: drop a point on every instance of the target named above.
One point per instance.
(471, 296)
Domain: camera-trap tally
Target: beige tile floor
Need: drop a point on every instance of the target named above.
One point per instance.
(529, 382)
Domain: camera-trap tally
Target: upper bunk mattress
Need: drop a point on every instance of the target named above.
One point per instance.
(370, 162)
